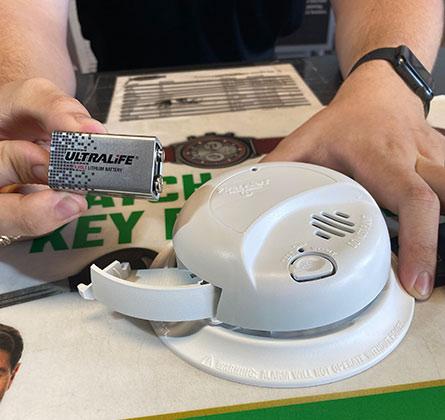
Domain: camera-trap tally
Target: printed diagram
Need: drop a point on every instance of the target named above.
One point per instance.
(162, 97)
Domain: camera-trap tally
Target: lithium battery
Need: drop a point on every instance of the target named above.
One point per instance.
(91, 162)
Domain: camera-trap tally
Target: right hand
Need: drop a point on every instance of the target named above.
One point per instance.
(29, 111)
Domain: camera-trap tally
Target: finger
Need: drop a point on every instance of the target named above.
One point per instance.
(440, 130)
(296, 148)
(419, 219)
(22, 162)
(292, 148)
(9, 188)
(45, 144)
(431, 146)
(280, 154)
(29, 188)
(38, 107)
(38, 213)
(304, 145)
(300, 144)
(434, 175)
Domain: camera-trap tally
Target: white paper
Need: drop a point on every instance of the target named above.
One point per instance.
(209, 92)
(436, 117)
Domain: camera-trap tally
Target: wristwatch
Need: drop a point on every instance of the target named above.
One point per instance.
(214, 151)
(409, 68)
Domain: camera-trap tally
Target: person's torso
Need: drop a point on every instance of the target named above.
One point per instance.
(129, 34)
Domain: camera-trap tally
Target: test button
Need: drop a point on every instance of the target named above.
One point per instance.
(311, 267)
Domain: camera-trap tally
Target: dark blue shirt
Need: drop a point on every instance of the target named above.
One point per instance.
(128, 34)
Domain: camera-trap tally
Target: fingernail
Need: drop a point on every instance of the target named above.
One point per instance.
(40, 172)
(69, 206)
(90, 125)
(424, 284)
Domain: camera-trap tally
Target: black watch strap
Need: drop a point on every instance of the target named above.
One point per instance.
(409, 68)
(379, 54)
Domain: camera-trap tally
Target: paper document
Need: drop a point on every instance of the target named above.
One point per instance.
(197, 93)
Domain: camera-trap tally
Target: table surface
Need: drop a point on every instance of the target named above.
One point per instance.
(320, 73)
(116, 364)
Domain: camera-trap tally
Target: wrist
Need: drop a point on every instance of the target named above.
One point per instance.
(377, 83)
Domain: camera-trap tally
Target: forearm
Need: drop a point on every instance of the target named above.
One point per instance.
(364, 25)
(33, 42)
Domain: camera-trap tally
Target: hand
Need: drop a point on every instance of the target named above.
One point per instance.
(29, 111)
(375, 131)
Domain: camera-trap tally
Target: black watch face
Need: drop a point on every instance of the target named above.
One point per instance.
(214, 151)
(417, 76)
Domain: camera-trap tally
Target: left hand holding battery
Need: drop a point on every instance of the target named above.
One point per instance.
(29, 111)
(40, 211)
(375, 131)
(32, 109)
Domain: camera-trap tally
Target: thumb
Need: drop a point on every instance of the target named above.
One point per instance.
(291, 148)
(38, 213)
(302, 144)
(22, 162)
(34, 108)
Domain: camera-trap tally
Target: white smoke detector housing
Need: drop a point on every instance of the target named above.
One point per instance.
(280, 275)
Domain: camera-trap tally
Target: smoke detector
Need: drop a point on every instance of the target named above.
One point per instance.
(279, 275)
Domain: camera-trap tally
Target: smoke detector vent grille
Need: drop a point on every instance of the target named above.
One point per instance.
(329, 225)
